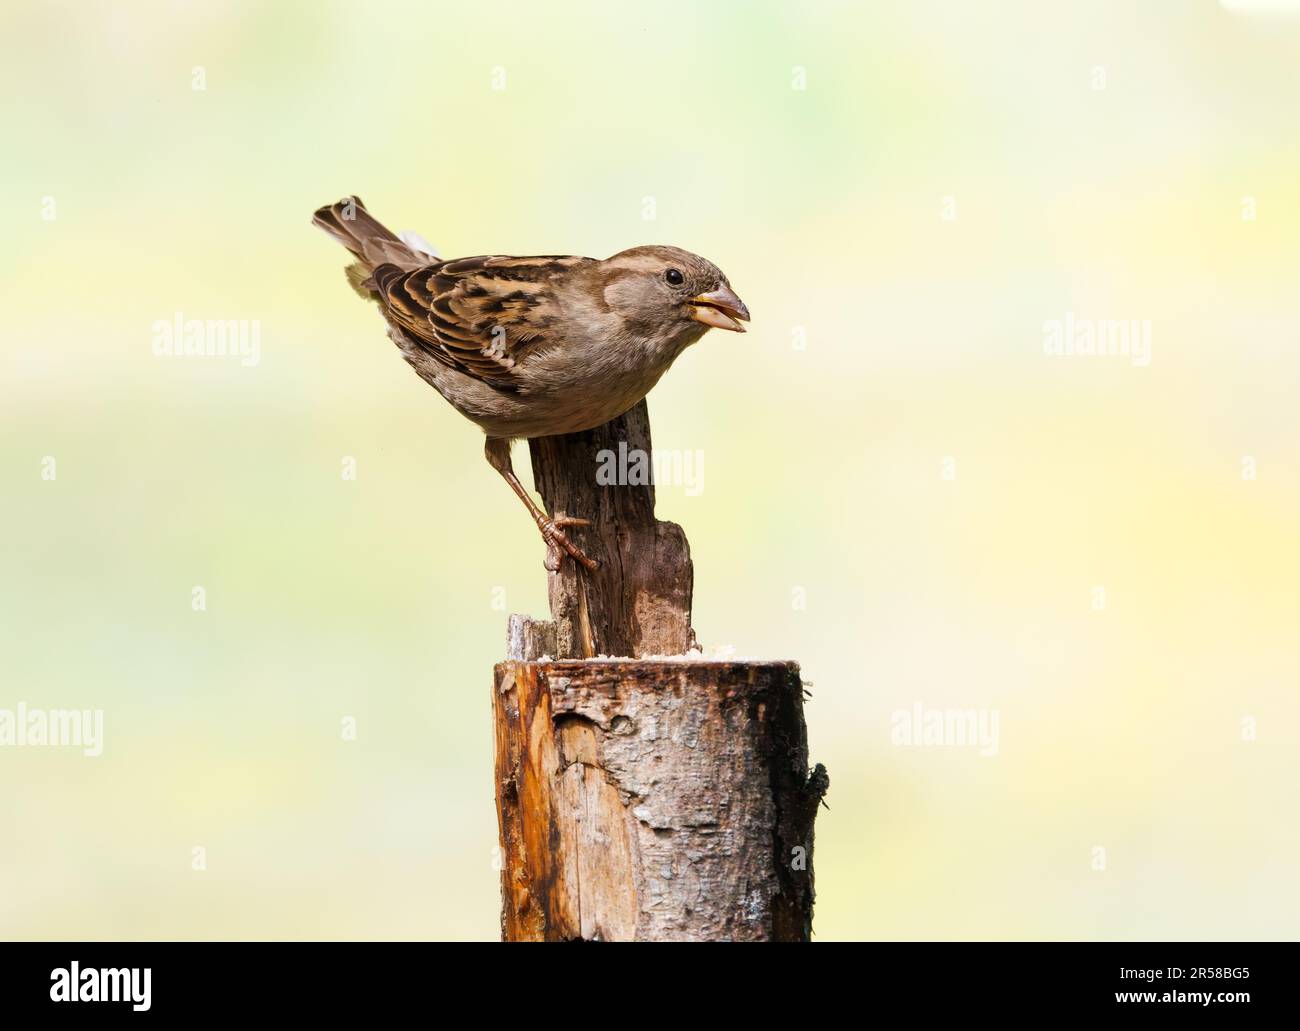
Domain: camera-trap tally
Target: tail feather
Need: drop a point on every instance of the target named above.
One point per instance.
(369, 241)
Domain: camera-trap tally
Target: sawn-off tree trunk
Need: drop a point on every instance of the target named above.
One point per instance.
(648, 798)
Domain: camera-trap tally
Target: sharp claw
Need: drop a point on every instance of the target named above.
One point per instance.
(558, 545)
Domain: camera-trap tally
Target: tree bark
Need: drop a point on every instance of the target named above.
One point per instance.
(654, 801)
(643, 798)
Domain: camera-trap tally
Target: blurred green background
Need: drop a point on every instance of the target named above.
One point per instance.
(889, 443)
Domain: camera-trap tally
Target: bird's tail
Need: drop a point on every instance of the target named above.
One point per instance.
(369, 241)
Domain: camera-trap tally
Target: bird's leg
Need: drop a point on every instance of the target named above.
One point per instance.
(497, 450)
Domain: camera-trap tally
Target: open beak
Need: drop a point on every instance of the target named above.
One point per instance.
(721, 309)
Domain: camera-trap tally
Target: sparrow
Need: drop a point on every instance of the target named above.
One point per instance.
(535, 346)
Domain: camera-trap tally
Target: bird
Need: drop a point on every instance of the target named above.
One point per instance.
(534, 346)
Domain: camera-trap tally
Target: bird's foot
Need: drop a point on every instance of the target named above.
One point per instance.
(558, 544)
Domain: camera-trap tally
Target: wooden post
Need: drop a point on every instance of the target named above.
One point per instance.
(639, 601)
(654, 797)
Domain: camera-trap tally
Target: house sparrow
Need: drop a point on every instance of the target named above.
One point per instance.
(535, 346)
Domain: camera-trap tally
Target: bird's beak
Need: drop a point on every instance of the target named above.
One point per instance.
(720, 308)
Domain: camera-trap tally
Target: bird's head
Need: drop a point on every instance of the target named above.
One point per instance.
(666, 290)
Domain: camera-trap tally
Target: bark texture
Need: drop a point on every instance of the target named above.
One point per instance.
(654, 801)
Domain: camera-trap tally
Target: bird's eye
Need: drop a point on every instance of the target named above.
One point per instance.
(674, 277)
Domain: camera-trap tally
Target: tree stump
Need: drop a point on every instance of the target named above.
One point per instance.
(643, 793)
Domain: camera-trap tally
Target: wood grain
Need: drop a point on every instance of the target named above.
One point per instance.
(639, 602)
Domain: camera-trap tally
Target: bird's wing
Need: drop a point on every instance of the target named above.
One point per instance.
(483, 316)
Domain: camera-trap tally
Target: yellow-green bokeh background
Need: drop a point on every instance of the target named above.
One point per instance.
(1119, 728)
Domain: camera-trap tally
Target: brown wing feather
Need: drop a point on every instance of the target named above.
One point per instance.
(483, 315)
